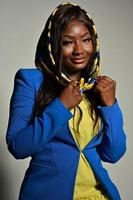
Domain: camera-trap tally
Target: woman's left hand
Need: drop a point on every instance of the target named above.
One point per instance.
(105, 89)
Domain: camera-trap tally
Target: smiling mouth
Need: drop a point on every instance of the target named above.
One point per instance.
(78, 60)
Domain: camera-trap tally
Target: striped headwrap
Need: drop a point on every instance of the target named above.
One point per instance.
(51, 66)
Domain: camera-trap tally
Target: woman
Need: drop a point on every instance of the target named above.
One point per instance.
(65, 116)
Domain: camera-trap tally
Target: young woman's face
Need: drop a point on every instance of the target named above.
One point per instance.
(77, 47)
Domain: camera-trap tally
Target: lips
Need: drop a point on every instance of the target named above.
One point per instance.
(78, 60)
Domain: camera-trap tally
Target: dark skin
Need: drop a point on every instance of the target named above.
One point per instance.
(77, 50)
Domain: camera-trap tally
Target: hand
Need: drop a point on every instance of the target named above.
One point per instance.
(71, 95)
(105, 89)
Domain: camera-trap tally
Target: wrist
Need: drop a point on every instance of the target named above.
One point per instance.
(108, 103)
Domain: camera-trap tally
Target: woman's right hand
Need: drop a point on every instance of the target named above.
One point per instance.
(71, 95)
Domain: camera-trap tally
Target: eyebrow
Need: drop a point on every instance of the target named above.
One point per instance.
(83, 35)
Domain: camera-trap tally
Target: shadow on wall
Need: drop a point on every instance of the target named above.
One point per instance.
(5, 182)
(11, 175)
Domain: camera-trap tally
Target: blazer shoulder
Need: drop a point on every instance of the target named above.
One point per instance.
(31, 76)
(30, 72)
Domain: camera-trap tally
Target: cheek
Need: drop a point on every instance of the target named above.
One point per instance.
(67, 51)
(89, 48)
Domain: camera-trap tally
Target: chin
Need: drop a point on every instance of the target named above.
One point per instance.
(75, 67)
(79, 66)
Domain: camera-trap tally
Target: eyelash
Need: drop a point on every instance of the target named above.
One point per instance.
(67, 42)
(86, 39)
(71, 42)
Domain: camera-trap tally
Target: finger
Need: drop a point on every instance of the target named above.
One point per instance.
(76, 87)
(77, 92)
(106, 78)
(74, 83)
(99, 89)
(106, 82)
(104, 88)
(101, 84)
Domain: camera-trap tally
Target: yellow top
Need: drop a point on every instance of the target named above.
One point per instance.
(86, 185)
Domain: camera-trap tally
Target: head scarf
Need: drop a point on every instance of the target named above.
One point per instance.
(95, 68)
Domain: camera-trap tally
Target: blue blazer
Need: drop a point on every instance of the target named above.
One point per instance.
(48, 141)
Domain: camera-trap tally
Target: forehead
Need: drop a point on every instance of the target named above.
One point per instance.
(76, 27)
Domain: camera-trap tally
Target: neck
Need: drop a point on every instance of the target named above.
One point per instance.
(75, 76)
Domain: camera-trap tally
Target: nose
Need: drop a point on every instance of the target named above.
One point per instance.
(78, 48)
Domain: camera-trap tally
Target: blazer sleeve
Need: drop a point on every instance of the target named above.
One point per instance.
(26, 135)
(113, 144)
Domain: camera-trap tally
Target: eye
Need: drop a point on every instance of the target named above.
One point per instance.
(67, 42)
(87, 39)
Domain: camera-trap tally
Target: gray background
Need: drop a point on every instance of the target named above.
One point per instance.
(21, 23)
